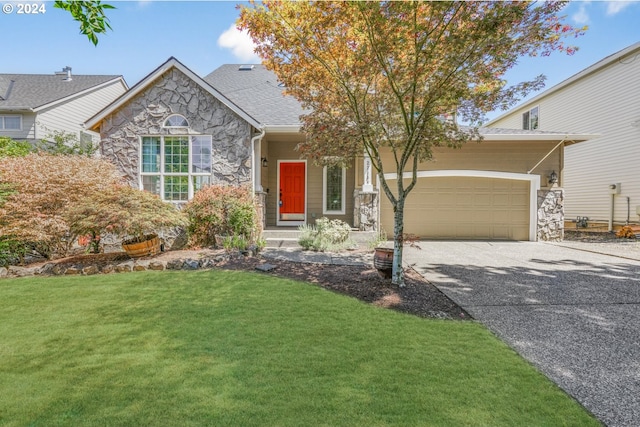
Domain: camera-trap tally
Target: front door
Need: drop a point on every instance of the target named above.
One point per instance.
(291, 197)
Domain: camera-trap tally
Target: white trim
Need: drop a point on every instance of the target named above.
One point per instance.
(534, 186)
(165, 126)
(324, 193)
(306, 193)
(537, 137)
(283, 128)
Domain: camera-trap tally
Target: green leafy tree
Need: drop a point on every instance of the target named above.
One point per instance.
(378, 77)
(90, 14)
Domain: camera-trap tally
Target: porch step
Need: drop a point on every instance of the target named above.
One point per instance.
(278, 238)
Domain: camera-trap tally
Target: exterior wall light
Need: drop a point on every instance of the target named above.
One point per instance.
(553, 178)
(264, 162)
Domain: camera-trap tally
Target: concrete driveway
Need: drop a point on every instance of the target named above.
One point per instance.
(571, 311)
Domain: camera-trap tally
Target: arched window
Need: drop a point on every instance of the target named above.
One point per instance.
(176, 121)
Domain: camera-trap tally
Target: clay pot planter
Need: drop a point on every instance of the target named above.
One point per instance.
(148, 247)
(383, 261)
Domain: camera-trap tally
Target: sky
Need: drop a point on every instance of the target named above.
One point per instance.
(202, 35)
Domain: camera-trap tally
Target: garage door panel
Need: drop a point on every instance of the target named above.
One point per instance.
(464, 208)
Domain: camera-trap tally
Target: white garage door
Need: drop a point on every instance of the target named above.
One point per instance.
(464, 208)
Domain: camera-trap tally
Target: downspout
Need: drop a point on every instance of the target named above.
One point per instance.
(255, 167)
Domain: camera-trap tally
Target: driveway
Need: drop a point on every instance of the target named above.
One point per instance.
(571, 311)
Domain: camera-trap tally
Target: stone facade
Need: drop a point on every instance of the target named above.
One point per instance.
(551, 214)
(176, 93)
(365, 210)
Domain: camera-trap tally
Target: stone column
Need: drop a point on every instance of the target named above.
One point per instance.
(550, 214)
(365, 210)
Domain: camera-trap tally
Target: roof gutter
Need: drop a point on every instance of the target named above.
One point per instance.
(283, 128)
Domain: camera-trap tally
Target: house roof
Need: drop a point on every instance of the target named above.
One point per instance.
(634, 48)
(257, 91)
(500, 134)
(31, 92)
(151, 77)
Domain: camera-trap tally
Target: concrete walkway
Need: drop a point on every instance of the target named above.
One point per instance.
(571, 308)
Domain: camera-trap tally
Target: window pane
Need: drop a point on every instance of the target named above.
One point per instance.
(525, 121)
(176, 151)
(200, 181)
(150, 154)
(334, 188)
(176, 121)
(176, 188)
(201, 154)
(533, 119)
(12, 122)
(151, 184)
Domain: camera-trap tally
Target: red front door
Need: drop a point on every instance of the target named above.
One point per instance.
(292, 191)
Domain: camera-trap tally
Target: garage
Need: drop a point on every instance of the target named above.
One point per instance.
(490, 207)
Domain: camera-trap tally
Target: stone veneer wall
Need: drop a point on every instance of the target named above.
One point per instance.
(365, 211)
(551, 214)
(176, 93)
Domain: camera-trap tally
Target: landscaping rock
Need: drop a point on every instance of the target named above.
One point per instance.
(191, 264)
(72, 271)
(156, 265)
(124, 267)
(139, 267)
(3, 272)
(21, 271)
(90, 269)
(109, 268)
(175, 264)
(47, 268)
(265, 267)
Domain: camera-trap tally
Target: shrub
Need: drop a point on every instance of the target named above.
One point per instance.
(124, 211)
(39, 189)
(325, 235)
(223, 211)
(66, 143)
(12, 148)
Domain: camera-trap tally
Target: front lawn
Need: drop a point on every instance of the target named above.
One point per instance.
(244, 349)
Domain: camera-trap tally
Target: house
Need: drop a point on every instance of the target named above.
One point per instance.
(600, 176)
(33, 106)
(174, 131)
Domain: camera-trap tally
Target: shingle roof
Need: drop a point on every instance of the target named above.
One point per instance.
(258, 93)
(30, 91)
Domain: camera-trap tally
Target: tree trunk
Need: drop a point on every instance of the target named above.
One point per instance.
(397, 275)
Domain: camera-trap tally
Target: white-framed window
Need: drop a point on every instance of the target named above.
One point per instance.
(11, 122)
(175, 167)
(176, 121)
(334, 187)
(531, 119)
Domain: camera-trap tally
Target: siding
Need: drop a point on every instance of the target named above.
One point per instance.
(516, 157)
(71, 115)
(604, 102)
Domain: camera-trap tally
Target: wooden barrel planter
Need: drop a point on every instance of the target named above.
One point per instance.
(148, 247)
(383, 261)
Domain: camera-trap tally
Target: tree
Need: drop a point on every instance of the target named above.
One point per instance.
(37, 191)
(90, 14)
(378, 77)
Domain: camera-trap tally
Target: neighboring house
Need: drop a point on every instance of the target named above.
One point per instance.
(602, 99)
(33, 106)
(174, 131)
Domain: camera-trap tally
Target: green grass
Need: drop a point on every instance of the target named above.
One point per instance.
(236, 348)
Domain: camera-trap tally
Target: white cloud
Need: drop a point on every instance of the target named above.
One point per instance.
(615, 7)
(240, 44)
(581, 17)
